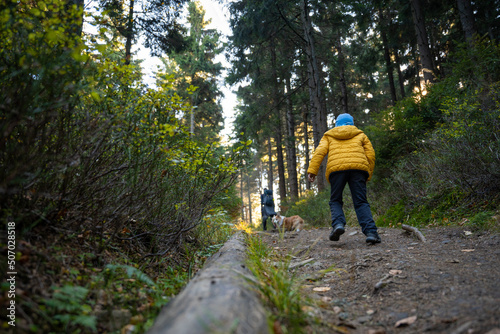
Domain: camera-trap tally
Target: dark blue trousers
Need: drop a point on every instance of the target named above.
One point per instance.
(357, 184)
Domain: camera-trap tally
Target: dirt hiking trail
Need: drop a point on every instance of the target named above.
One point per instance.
(449, 284)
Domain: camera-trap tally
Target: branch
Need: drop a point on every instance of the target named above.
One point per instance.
(419, 234)
(135, 236)
(289, 25)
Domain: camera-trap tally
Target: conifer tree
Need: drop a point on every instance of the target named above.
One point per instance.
(196, 66)
(156, 20)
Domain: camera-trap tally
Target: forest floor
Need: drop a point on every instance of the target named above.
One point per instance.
(449, 284)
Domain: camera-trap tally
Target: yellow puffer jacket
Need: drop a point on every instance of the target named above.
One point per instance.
(347, 147)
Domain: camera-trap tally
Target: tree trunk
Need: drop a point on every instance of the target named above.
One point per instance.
(318, 116)
(400, 74)
(129, 33)
(241, 195)
(342, 81)
(387, 57)
(281, 165)
(249, 191)
(467, 20)
(415, 62)
(260, 170)
(291, 153)
(278, 131)
(306, 144)
(270, 173)
(191, 121)
(423, 41)
(389, 68)
(488, 19)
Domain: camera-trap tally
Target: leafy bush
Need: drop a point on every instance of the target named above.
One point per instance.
(314, 209)
(86, 144)
(481, 221)
(462, 153)
(454, 163)
(76, 309)
(399, 130)
(40, 71)
(102, 166)
(392, 216)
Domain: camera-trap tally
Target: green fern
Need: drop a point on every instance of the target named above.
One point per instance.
(67, 298)
(67, 303)
(86, 321)
(132, 272)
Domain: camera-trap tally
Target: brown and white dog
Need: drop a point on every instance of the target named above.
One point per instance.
(288, 223)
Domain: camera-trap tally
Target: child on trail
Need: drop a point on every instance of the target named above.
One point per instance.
(351, 159)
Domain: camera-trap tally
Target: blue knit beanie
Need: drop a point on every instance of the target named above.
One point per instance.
(344, 119)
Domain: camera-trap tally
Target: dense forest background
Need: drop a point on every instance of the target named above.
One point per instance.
(419, 77)
(115, 186)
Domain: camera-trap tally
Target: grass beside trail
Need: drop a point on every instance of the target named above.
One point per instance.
(279, 289)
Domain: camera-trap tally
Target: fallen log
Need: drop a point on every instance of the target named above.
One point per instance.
(415, 230)
(217, 300)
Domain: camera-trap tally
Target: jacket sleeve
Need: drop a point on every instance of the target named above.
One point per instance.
(370, 155)
(319, 154)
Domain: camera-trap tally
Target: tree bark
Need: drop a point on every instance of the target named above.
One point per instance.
(129, 33)
(278, 132)
(387, 57)
(217, 299)
(281, 165)
(270, 174)
(249, 191)
(415, 63)
(318, 115)
(400, 74)
(488, 19)
(291, 153)
(241, 195)
(467, 20)
(342, 81)
(306, 144)
(423, 41)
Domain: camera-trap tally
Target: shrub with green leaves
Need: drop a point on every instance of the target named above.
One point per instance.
(455, 154)
(69, 309)
(314, 209)
(86, 144)
(96, 159)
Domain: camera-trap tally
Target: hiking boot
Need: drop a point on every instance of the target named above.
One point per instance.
(336, 232)
(373, 238)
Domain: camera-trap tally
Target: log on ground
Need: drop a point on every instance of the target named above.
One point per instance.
(217, 300)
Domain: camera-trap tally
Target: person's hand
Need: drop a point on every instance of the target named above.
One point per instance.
(311, 177)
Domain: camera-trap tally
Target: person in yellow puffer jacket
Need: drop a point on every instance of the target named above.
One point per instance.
(351, 159)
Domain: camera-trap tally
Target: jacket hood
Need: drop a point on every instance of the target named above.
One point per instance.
(344, 132)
